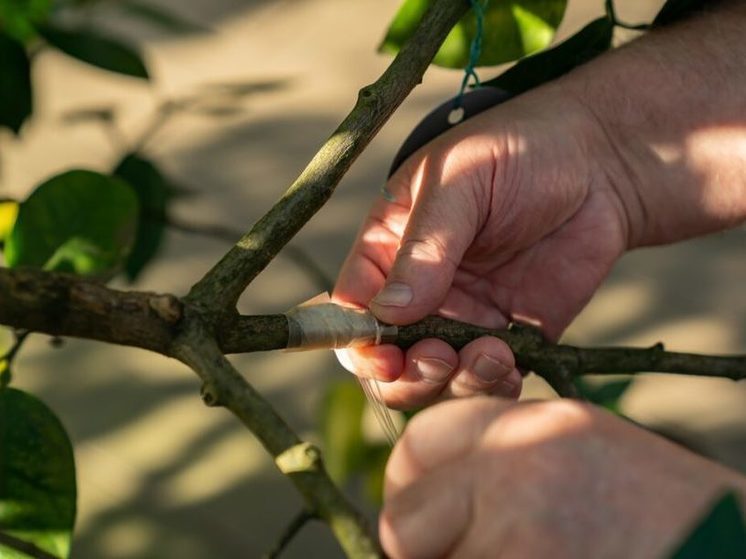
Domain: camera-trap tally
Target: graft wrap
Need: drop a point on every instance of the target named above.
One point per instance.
(327, 325)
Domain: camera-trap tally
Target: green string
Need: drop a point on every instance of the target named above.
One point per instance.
(475, 50)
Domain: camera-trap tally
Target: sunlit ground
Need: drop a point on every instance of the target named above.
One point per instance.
(159, 474)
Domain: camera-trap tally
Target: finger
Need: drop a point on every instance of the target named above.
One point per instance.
(441, 226)
(486, 366)
(428, 366)
(372, 255)
(429, 517)
(384, 363)
(438, 435)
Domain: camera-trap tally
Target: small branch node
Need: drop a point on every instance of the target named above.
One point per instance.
(166, 307)
(209, 395)
(303, 457)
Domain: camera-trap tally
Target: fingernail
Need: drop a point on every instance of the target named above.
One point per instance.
(489, 369)
(432, 369)
(394, 295)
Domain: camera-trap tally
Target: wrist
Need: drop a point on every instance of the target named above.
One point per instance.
(666, 127)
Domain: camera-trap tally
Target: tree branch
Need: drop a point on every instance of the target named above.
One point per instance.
(221, 287)
(290, 531)
(64, 305)
(224, 386)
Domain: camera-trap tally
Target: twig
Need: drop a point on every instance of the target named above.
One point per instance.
(6, 360)
(291, 530)
(25, 547)
(221, 287)
(293, 253)
(224, 386)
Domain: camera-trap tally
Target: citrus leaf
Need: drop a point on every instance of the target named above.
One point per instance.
(37, 476)
(512, 29)
(153, 193)
(341, 428)
(550, 64)
(605, 394)
(96, 49)
(673, 10)
(15, 85)
(79, 221)
(19, 18)
(721, 533)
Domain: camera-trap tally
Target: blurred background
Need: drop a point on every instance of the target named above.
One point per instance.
(159, 474)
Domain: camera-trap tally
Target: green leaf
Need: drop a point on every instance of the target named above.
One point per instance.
(512, 29)
(375, 468)
(341, 428)
(159, 17)
(96, 49)
(673, 10)
(548, 65)
(37, 476)
(18, 18)
(8, 214)
(606, 394)
(721, 533)
(80, 221)
(153, 193)
(15, 83)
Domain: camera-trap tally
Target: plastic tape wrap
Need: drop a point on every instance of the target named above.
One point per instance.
(331, 326)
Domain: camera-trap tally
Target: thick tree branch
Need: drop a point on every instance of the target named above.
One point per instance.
(63, 305)
(224, 386)
(224, 283)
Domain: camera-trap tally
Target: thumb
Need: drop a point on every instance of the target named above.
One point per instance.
(441, 227)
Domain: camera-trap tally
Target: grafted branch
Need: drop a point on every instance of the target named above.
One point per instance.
(62, 305)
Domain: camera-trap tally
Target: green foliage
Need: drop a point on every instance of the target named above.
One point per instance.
(94, 48)
(347, 452)
(37, 475)
(18, 18)
(606, 394)
(512, 29)
(721, 533)
(15, 85)
(342, 429)
(79, 221)
(550, 64)
(677, 9)
(153, 193)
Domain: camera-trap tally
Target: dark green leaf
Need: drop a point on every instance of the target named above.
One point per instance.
(512, 29)
(375, 468)
(153, 194)
(37, 476)
(92, 47)
(15, 83)
(80, 221)
(19, 17)
(160, 17)
(721, 533)
(341, 428)
(677, 9)
(606, 394)
(548, 65)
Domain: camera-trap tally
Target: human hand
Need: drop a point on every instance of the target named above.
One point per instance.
(508, 216)
(486, 478)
